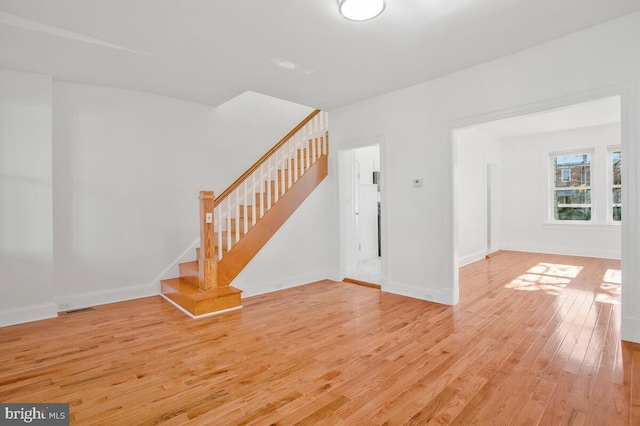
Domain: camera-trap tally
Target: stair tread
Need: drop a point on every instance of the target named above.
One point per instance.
(193, 292)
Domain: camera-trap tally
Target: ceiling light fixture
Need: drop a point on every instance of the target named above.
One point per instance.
(360, 10)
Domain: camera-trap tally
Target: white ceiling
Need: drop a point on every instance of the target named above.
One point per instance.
(209, 51)
(595, 113)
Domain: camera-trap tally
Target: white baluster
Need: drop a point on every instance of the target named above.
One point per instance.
(295, 159)
(244, 206)
(289, 168)
(228, 223)
(268, 183)
(237, 214)
(253, 201)
(218, 228)
(307, 154)
(261, 194)
(313, 150)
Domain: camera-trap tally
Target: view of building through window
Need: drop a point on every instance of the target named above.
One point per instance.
(616, 185)
(572, 186)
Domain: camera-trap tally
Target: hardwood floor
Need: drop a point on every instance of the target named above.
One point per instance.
(534, 340)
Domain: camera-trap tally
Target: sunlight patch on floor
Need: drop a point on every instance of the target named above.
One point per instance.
(548, 277)
(556, 270)
(610, 288)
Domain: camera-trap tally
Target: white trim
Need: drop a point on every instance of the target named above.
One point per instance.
(211, 314)
(168, 272)
(552, 188)
(27, 314)
(276, 285)
(413, 291)
(385, 218)
(582, 225)
(103, 297)
(610, 185)
(470, 258)
(630, 329)
(568, 251)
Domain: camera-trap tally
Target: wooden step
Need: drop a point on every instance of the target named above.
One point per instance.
(262, 198)
(189, 272)
(249, 211)
(302, 153)
(241, 224)
(198, 303)
(282, 186)
(224, 252)
(225, 241)
(292, 166)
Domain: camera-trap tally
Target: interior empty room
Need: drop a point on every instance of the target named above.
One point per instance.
(293, 212)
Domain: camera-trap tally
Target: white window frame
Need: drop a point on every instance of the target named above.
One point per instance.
(552, 188)
(610, 185)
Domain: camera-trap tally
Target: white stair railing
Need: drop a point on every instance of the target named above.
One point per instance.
(250, 197)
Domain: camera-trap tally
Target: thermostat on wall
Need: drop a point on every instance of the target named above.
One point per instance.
(417, 182)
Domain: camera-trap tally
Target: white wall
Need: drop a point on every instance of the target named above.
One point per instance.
(300, 252)
(416, 124)
(526, 208)
(474, 151)
(26, 241)
(100, 186)
(127, 170)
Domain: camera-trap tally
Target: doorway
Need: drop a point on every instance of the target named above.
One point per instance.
(512, 194)
(360, 210)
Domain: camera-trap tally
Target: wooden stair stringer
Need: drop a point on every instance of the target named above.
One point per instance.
(252, 242)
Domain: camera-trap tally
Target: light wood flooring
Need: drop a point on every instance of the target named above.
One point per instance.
(534, 341)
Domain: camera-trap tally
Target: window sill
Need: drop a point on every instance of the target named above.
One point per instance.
(572, 226)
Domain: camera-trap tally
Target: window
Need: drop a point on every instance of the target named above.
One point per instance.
(615, 173)
(571, 190)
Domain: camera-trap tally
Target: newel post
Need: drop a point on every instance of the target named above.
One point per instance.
(207, 263)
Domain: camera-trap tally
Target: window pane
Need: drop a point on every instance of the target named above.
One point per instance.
(617, 213)
(573, 213)
(617, 167)
(617, 200)
(572, 204)
(579, 170)
(573, 196)
(617, 195)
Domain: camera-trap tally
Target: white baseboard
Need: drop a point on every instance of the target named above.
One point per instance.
(189, 314)
(271, 286)
(85, 300)
(570, 251)
(27, 314)
(470, 258)
(422, 293)
(630, 329)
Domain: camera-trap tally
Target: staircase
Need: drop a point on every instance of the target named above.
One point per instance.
(235, 225)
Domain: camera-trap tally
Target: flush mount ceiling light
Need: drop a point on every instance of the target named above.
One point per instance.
(360, 10)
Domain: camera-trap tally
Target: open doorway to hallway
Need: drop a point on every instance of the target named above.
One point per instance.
(360, 213)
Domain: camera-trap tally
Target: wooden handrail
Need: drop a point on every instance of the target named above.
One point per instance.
(262, 159)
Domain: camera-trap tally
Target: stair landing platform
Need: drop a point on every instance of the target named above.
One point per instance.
(197, 303)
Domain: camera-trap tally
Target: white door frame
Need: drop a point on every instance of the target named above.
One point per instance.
(345, 203)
